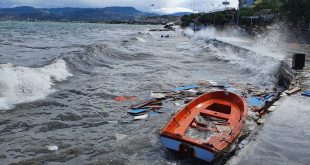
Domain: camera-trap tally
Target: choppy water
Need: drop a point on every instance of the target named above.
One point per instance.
(58, 81)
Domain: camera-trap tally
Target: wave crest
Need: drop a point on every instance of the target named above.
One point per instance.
(24, 84)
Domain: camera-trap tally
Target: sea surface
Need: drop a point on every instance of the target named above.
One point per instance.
(58, 81)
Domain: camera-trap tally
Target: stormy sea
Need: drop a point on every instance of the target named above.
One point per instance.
(58, 82)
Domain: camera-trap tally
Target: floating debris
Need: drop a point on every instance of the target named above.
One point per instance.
(52, 148)
(125, 98)
(145, 116)
(158, 95)
(186, 87)
(145, 103)
(137, 111)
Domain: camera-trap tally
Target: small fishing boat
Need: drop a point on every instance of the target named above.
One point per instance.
(206, 126)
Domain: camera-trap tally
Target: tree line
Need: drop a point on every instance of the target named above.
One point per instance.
(295, 12)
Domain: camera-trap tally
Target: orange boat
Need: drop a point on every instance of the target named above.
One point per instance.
(206, 126)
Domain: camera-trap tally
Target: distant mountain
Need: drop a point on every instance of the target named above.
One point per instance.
(73, 14)
(180, 14)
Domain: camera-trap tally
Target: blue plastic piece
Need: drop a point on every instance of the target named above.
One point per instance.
(186, 87)
(256, 101)
(137, 111)
(306, 93)
(268, 97)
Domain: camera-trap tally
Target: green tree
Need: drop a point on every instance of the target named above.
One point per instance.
(297, 11)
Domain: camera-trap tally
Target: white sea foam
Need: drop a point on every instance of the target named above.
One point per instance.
(264, 52)
(24, 84)
(141, 39)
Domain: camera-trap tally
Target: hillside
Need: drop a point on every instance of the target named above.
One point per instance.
(73, 14)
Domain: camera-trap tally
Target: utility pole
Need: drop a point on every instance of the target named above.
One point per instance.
(239, 6)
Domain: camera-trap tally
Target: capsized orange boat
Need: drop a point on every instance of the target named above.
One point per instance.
(206, 126)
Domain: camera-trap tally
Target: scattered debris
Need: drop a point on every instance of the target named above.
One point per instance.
(125, 98)
(137, 111)
(292, 91)
(158, 95)
(52, 148)
(272, 108)
(306, 93)
(261, 121)
(223, 128)
(145, 116)
(256, 101)
(145, 103)
(186, 87)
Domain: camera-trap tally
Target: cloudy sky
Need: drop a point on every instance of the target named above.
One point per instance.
(160, 6)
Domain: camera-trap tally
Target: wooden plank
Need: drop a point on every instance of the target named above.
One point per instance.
(292, 91)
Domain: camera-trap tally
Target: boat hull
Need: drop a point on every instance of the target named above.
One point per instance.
(197, 152)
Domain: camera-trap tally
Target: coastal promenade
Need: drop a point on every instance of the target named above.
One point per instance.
(284, 139)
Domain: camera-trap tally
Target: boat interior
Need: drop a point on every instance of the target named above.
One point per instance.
(199, 122)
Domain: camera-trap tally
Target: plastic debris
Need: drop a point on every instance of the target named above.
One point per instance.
(269, 97)
(52, 148)
(145, 116)
(256, 101)
(125, 98)
(120, 137)
(192, 91)
(306, 93)
(177, 104)
(186, 87)
(137, 111)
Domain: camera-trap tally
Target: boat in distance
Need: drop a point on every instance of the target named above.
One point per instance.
(206, 126)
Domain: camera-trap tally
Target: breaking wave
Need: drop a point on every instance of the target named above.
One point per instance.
(234, 46)
(24, 84)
